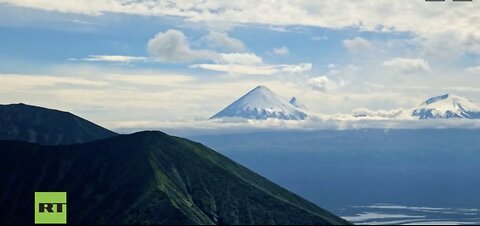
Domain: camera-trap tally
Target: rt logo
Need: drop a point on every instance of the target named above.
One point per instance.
(50, 207)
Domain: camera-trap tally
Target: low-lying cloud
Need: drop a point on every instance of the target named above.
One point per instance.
(335, 122)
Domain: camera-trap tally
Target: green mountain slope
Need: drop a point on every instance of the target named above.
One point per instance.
(47, 126)
(146, 178)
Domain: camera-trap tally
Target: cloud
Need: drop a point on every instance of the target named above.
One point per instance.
(473, 70)
(150, 80)
(451, 42)
(381, 114)
(240, 58)
(30, 83)
(282, 51)
(222, 41)
(408, 65)
(323, 83)
(256, 69)
(320, 38)
(368, 15)
(172, 46)
(25, 82)
(116, 93)
(114, 58)
(239, 125)
(357, 44)
(319, 83)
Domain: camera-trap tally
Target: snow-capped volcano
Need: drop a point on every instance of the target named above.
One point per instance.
(447, 106)
(261, 103)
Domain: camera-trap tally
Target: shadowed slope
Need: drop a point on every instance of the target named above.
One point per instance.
(146, 178)
(47, 126)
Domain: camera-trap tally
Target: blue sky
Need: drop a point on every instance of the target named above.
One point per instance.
(131, 37)
(127, 63)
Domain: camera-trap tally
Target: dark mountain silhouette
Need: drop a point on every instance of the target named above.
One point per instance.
(47, 126)
(146, 178)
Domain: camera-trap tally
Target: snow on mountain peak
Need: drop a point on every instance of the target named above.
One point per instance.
(261, 87)
(437, 98)
(447, 106)
(261, 103)
(294, 101)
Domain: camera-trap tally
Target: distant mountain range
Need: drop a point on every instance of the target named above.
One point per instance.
(47, 126)
(143, 178)
(262, 103)
(445, 106)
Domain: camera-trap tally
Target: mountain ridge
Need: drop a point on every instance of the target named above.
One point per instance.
(47, 126)
(130, 179)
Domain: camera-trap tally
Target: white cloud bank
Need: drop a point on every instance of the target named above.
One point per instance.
(239, 125)
(473, 70)
(21, 82)
(381, 114)
(408, 65)
(256, 69)
(113, 58)
(240, 58)
(447, 26)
